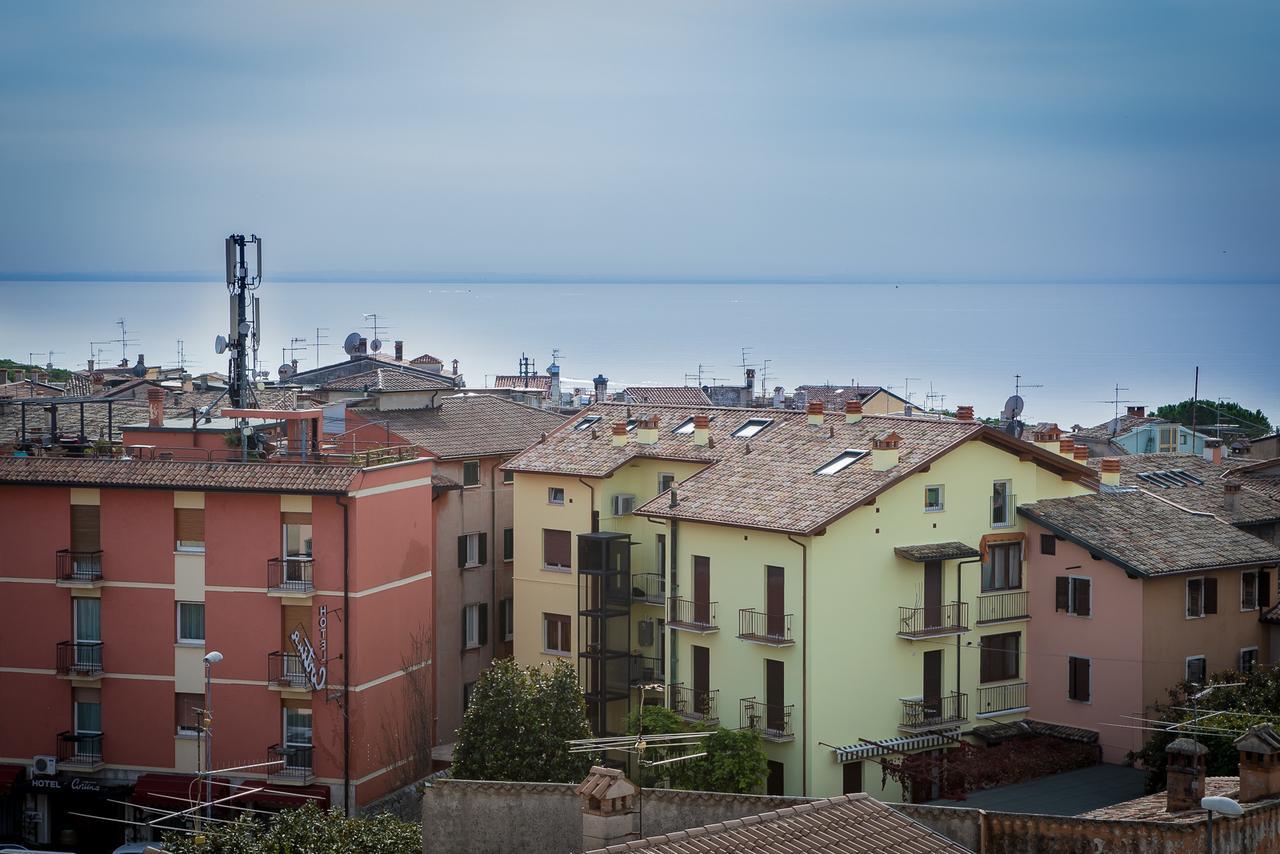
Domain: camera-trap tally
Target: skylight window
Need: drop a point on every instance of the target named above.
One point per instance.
(631, 424)
(1171, 478)
(685, 427)
(751, 428)
(842, 461)
(586, 422)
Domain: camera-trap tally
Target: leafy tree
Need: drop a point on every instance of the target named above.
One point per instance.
(1252, 424)
(306, 830)
(58, 375)
(735, 760)
(519, 723)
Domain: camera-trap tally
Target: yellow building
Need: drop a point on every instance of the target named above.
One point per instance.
(849, 585)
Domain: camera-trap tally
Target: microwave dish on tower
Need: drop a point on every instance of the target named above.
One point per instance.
(351, 342)
(285, 371)
(220, 344)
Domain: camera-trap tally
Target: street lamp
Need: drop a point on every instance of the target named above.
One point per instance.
(1226, 806)
(211, 658)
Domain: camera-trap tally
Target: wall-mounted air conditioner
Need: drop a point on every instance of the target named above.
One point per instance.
(44, 765)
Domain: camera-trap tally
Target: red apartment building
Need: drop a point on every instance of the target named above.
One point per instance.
(313, 579)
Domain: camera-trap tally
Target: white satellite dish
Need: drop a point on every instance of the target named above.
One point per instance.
(375, 345)
(285, 371)
(1012, 408)
(351, 343)
(220, 344)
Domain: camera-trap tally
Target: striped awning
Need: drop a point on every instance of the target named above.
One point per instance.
(897, 744)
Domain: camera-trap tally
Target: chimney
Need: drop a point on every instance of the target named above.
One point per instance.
(455, 367)
(1185, 774)
(1136, 411)
(187, 384)
(602, 388)
(19, 376)
(751, 378)
(91, 366)
(884, 451)
(1110, 471)
(852, 411)
(1067, 447)
(619, 433)
(815, 413)
(142, 361)
(42, 377)
(363, 346)
(554, 393)
(779, 397)
(1231, 496)
(608, 809)
(155, 407)
(96, 380)
(647, 430)
(1259, 763)
(964, 413)
(1047, 439)
(399, 351)
(1213, 451)
(701, 429)
(1080, 453)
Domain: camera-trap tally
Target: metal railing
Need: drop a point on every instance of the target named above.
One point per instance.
(290, 575)
(1004, 515)
(648, 587)
(694, 705)
(934, 712)
(78, 566)
(1002, 698)
(646, 669)
(80, 658)
(997, 607)
(689, 615)
(764, 627)
(77, 748)
(285, 669)
(296, 763)
(772, 721)
(942, 619)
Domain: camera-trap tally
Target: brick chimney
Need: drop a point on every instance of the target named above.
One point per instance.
(647, 430)
(884, 451)
(1185, 774)
(155, 407)
(602, 388)
(814, 409)
(608, 809)
(620, 433)
(399, 351)
(1047, 438)
(701, 429)
(1110, 471)
(1136, 411)
(1231, 496)
(964, 413)
(1067, 447)
(96, 380)
(852, 411)
(1080, 453)
(363, 346)
(1259, 763)
(1213, 451)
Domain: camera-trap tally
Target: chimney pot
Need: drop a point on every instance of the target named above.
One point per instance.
(964, 413)
(1185, 774)
(815, 412)
(399, 351)
(155, 407)
(852, 411)
(1259, 763)
(1067, 448)
(91, 366)
(620, 433)
(1138, 411)
(608, 808)
(1110, 471)
(1231, 496)
(884, 451)
(1080, 453)
(363, 346)
(701, 429)
(647, 430)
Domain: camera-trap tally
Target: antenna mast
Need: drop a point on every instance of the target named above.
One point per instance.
(124, 341)
(320, 330)
(243, 332)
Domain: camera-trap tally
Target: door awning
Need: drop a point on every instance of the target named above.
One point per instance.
(935, 551)
(989, 540)
(897, 744)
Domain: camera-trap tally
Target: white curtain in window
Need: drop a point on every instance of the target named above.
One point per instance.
(88, 617)
(191, 620)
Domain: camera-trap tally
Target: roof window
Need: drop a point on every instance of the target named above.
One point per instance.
(685, 428)
(1171, 478)
(842, 461)
(751, 428)
(586, 422)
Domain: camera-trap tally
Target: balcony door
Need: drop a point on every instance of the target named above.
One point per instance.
(775, 601)
(87, 616)
(932, 594)
(932, 688)
(773, 696)
(702, 590)
(701, 678)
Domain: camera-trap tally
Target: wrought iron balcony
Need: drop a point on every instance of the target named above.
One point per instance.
(295, 764)
(694, 705)
(649, 587)
(646, 669)
(763, 627)
(772, 721)
(1002, 699)
(690, 616)
(949, 619)
(934, 713)
(80, 659)
(78, 568)
(285, 670)
(1000, 607)
(291, 575)
(80, 750)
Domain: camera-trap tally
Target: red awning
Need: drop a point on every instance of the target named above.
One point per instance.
(287, 797)
(161, 790)
(10, 774)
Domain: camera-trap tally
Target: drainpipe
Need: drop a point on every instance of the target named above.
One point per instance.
(595, 515)
(346, 656)
(673, 672)
(958, 600)
(493, 552)
(804, 663)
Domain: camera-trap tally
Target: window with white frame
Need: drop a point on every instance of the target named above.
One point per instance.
(473, 629)
(665, 481)
(508, 476)
(1001, 501)
(1249, 590)
(933, 499)
(555, 495)
(556, 634)
(1248, 659)
(472, 550)
(471, 473)
(1202, 597)
(1074, 594)
(751, 427)
(1196, 669)
(191, 622)
(297, 738)
(186, 713)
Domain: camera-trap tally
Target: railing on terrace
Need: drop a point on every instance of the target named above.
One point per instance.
(78, 566)
(1001, 698)
(296, 763)
(285, 669)
(764, 627)
(692, 704)
(936, 712)
(947, 619)
(772, 721)
(650, 587)
(80, 658)
(290, 575)
(646, 669)
(688, 615)
(78, 748)
(998, 607)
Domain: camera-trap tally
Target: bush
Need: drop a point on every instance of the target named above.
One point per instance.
(306, 830)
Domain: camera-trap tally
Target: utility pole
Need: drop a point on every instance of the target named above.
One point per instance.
(1195, 404)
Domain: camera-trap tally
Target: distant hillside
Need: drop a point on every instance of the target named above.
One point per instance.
(58, 375)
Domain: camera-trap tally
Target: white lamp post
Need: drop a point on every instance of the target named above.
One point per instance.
(211, 658)
(1225, 806)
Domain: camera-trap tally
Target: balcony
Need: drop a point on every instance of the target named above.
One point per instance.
(290, 576)
(646, 669)
(694, 705)
(946, 712)
(1002, 700)
(295, 768)
(1002, 607)
(80, 751)
(763, 627)
(286, 672)
(689, 616)
(78, 569)
(80, 660)
(949, 619)
(772, 721)
(649, 588)
(1004, 512)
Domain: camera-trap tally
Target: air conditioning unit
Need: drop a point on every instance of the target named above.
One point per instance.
(623, 504)
(44, 765)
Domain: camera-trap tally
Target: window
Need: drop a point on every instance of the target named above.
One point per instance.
(297, 535)
(1078, 679)
(557, 549)
(933, 499)
(845, 459)
(586, 422)
(1202, 597)
(508, 544)
(999, 657)
(191, 622)
(1168, 439)
(1196, 669)
(555, 633)
(297, 735)
(685, 427)
(188, 529)
(775, 781)
(86, 528)
(623, 504)
(1248, 659)
(471, 473)
(508, 476)
(1003, 569)
(555, 495)
(507, 618)
(1000, 500)
(87, 615)
(665, 481)
(1249, 590)
(1048, 544)
(186, 713)
(468, 691)
(751, 427)
(1074, 595)
(88, 712)
(473, 550)
(475, 625)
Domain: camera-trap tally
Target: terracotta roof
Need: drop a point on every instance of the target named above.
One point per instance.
(95, 419)
(426, 359)
(1253, 507)
(675, 395)
(172, 474)
(1116, 427)
(1154, 807)
(538, 381)
(936, 551)
(848, 823)
(78, 385)
(385, 379)
(833, 397)
(998, 732)
(1148, 536)
(471, 425)
(25, 388)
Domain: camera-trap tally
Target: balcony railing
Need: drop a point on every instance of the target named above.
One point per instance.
(646, 669)
(1004, 515)
(285, 670)
(934, 713)
(763, 627)
(650, 587)
(80, 658)
(1002, 698)
(295, 764)
(75, 748)
(694, 705)
(998, 607)
(772, 721)
(690, 616)
(78, 567)
(949, 619)
(290, 575)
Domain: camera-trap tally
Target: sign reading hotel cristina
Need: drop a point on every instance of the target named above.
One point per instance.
(311, 664)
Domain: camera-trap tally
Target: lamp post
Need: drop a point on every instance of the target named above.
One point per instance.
(211, 658)
(1225, 806)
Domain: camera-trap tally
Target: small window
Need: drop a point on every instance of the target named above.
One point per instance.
(1078, 679)
(1003, 569)
(751, 427)
(297, 536)
(191, 622)
(556, 637)
(1074, 594)
(468, 691)
(631, 424)
(933, 499)
(508, 544)
(1202, 597)
(999, 657)
(557, 550)
(1048, 544)
(188, 529)
(508, 476)
(474, 630)
(586, 422)
(1001, 495)
(1249, 590)
(186, 713)
(842, 461)
(1196, 669)
(472, 550)
(665, 481)
(471, 473)
(1248, 659)
(555, 495)
(507, 618)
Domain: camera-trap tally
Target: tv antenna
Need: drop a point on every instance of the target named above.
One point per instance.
(1116, 401)
(293, 348)
(182, 357)
(764, 377)
(527, 368)
(316, 342)
(1019, 385)
(698, 376)
(906, 388)
(124, 341)
(95, 352)
(376, 343)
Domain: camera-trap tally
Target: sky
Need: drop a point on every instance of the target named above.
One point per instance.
(424, 151)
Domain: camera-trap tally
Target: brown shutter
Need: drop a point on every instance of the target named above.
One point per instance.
(1211, 595)
(557, 548)
(1079, 677)
(1062, 593)
(295, 518)
(1083, 588)
(86, 530)
(1264, 588)
(985, 654)
(188, 525)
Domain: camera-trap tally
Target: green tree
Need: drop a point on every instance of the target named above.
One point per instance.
(519, 724)
(735, 760)
(306, 830)
(1207, 412)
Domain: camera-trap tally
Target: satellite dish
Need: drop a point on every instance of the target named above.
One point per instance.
(375, 345)
(220, 344)
(1012, 408)
(351, 343)
(285, 371)
(245, 327)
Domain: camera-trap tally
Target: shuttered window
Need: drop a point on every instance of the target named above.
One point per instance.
(508, 543)
(475, 625)
(86, 530)
(999, 658)
(1078, 679)
(1264, 588)
(473, 550)
(556, 637)
(186, 713)
(1202, 597)
(1048, 544)
(188, 529)
(1074, 595)
(557, 549)
(1196, 670)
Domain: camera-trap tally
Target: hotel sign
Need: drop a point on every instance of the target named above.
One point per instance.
(312, 665)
